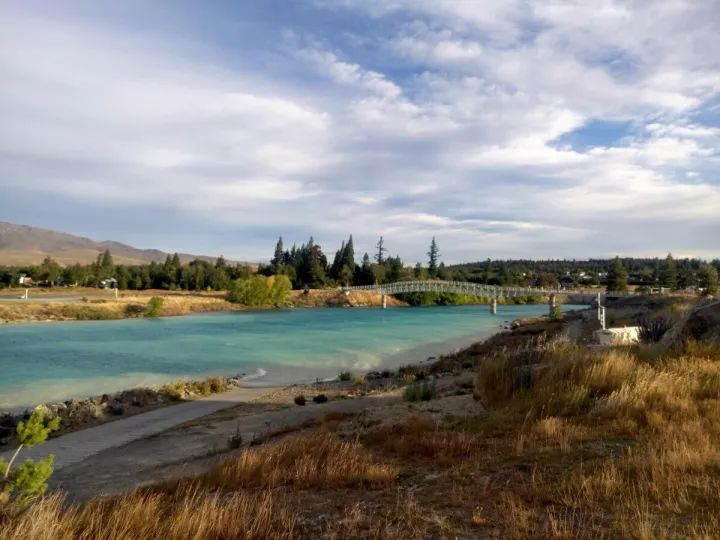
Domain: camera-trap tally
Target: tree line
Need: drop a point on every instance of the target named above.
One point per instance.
(307, 266)
(197, 275)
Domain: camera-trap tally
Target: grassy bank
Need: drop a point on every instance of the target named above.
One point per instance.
(99, 309)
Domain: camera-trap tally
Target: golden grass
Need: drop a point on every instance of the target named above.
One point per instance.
(190, 513)
(422, 439)
(313, 461)
(108, 308)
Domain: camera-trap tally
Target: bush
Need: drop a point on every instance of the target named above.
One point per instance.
(235, 441)
(175, 391)
(359, 380)
(653, 330)
(134, 310)
(300, 400)
(345, 376)
(155, 306)
(29, 480)
(258, 291)
(424, 391)
(320, 398)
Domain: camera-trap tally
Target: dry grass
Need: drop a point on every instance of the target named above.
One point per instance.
(643, 433)
(425, 440)
(188, 514)
(108, 308)
(318, 461)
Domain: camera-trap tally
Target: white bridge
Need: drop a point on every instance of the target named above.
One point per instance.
(490, 292)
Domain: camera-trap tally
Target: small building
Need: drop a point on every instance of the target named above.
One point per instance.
(25, 280)
(109, 283)
(627, 335)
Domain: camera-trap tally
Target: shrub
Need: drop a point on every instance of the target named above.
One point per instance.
(320, 398)
(424, 391)
(257, 291)
(235, 441)
(155, 306)
(175, 391)
(653, 330)
(134, 310)
(202, 388)
(29, 480)
(345, 376)
(359, 380)
(300, 400)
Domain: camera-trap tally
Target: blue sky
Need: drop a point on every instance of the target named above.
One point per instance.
(504, 129)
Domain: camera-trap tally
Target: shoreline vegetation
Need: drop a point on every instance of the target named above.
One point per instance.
(529, 434)
(86, 304)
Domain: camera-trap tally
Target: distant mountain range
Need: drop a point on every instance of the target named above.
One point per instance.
(23, 245)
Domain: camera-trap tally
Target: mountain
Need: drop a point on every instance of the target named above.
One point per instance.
(23, 245)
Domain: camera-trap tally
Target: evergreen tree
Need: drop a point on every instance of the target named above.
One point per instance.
(220, 263)
(433, 256)
(669, 273)
(380, 256)
(709, 279)
(617, 277)
(278, 257)
(107, 260)
(348, 257)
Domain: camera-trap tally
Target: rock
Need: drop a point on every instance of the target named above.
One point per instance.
(117, 408)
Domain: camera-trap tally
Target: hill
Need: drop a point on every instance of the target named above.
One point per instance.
(24, 245)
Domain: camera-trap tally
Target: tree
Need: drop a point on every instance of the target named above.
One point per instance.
(278, 257)
(49, 271)
(669, 273)
(617, 276)
(29, 480)
(106, 261)
(433, 256)
(709, 279)
(380, 246)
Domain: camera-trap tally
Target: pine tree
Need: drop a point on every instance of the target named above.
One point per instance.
(107, 260)
(709, 279)
(433, 256)
(617, 276)
(277, 259)
(380, 256)
(348, 257)
(669, 273)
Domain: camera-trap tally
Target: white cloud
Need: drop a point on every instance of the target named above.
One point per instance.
(442, 121)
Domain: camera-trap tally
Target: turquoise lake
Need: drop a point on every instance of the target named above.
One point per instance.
(57, 361)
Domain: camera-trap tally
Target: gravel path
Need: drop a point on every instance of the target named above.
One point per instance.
(79, 445)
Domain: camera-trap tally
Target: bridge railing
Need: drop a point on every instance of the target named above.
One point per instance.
(476, 289)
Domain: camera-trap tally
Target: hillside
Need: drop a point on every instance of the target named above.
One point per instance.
(24, 245)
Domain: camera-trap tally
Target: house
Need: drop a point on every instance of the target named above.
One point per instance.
(109, 283)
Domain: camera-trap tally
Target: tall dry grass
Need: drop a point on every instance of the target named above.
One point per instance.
(649, 422)
(317, 461)
(191, 513)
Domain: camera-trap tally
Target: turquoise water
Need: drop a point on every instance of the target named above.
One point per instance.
(57, 361)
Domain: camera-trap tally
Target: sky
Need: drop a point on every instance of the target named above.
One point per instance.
(513, 129)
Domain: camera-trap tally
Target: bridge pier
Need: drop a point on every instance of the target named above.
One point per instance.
(493, 306)
(384, 301)
(552, 305)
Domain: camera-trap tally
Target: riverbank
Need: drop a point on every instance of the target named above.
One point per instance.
(88, 304)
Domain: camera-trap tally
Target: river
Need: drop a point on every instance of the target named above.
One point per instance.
(57, 361)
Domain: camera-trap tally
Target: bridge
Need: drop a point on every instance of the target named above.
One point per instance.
(491, 292)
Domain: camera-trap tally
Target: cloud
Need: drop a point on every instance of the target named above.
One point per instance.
(406, 119)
